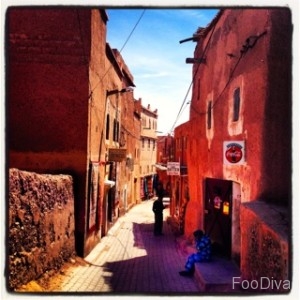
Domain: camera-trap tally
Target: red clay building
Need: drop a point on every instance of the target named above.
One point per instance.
(148, 151)
(239, 139)
(60, 72)
(51, 70)
(129, 139)
(180, 184)
(165, 154)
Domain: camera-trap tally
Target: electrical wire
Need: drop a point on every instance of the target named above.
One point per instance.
(223, 90)
(250, 43)
(106, 72)
(193, 79)
(122, 48)
(133, 29)
(243, 51)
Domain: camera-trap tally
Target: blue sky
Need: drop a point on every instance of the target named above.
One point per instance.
(155, 57)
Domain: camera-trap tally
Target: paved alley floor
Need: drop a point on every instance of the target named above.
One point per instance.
(130, 259)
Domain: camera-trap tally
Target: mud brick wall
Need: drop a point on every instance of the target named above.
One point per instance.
(41, 224)
(265, 242)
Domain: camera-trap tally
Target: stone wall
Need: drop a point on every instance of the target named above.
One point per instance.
(265, 244)
(40, 224)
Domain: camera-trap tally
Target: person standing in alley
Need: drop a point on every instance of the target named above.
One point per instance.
(158, 208)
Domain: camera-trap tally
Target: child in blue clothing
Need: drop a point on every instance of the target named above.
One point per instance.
(203, 254)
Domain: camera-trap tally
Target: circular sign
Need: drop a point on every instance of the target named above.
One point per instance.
(234, 153)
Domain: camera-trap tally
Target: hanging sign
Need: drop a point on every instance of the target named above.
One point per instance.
(173, 168)
(234, 152)
(116, 154)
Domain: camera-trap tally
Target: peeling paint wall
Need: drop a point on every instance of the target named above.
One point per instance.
(40, 224)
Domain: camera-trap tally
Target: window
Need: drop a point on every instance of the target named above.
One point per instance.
(107, 127)
(116, 130)
(236, 105)
(209, 108)
(137, 151)
(149, 143)
(143, 143)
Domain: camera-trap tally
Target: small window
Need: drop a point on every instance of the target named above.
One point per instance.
(116, 130)
(209, 108)
(107, 127)
(236, 105)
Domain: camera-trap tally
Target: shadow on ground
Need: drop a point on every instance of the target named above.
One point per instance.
(151, 271)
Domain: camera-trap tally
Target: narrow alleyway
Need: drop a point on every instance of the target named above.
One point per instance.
(130, 259)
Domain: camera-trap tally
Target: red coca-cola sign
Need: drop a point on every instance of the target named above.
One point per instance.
(233, 152)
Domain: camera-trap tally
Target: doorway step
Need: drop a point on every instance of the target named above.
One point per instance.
(215, 276)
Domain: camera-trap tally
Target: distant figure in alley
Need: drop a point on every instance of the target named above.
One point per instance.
(158, 208)
(203, 246)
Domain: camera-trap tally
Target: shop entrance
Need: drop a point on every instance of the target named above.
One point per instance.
(218, 214)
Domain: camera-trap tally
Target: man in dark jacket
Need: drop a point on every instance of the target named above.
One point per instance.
(158, 208)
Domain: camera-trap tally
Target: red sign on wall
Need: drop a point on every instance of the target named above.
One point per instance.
(234, 152)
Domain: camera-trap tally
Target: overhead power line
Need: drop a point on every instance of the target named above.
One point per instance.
(133, 29)
(249, 43)
(122, 48)
(193, 79)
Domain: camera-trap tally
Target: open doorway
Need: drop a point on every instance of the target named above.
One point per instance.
(222, 216)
